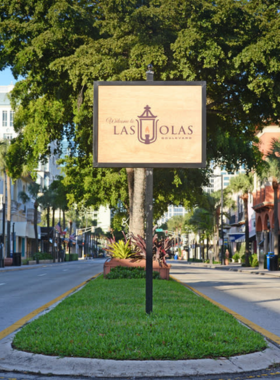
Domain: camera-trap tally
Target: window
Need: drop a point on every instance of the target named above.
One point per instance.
(12, 118)
(226, 183)
(4, 119)
(7, 136)
(226, 178)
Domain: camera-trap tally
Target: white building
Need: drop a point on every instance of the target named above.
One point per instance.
(7, 131)
(171, 211)
(22, 214)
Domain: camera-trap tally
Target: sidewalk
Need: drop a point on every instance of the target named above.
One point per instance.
(13, 360)
(23, 267)
(235, 267)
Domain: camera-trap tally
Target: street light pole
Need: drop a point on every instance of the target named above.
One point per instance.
(222, 222)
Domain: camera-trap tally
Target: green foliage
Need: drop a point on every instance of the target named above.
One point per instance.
(236, 257)
(61, 48)
(194, 260)
(42, 256)
(73, 256)
(243, 183)
(253, 260)
(107, 320)
(242, 248)
(272, 167)
(129, 273)
(120, 249)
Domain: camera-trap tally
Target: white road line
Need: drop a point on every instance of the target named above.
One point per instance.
(3, 283)
(42, 274)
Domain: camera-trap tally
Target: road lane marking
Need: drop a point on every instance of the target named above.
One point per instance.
(15, 326)
(42, 274)
(272, 337)
(3, 283)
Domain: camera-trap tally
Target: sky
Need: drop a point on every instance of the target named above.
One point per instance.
(6, 77)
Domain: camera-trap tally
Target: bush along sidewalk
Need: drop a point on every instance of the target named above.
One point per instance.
(106, 319)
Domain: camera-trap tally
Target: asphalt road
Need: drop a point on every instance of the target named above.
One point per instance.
(23, 291)
(255, 297)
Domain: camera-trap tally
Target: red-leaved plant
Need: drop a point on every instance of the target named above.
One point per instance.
(160, 247)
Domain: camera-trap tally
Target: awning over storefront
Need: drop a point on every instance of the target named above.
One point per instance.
(236, 236)
(23, 229)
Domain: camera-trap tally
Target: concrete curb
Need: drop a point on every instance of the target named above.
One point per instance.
(13, 360)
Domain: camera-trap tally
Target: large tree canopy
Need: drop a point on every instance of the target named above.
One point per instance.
(62, 46)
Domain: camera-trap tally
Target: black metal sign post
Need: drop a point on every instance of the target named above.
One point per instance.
(149, 225)
(149, 240)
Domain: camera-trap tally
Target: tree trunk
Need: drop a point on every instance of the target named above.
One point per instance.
(136, 223)
(64, 226)
(216, 227)
(207, 248)
(48, 229)
(70, 233)
(53, 235)
(245, 200)
(4, 212)
(35, 225)
(9, 212)
(276, 222)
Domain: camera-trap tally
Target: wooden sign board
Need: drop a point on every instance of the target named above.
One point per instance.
(149, 124)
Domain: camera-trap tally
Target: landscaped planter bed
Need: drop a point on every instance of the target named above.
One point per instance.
(114, 262)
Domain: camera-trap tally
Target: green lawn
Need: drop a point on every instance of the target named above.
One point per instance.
(107, 319)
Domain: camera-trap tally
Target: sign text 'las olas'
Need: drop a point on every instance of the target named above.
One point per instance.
(149, 124)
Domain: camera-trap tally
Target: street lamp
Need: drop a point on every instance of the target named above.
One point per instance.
(222, 222)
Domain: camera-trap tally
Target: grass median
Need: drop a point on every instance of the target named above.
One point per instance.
(106, 319)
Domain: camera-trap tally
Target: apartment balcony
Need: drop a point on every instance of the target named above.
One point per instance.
(263, 199)
(14, 205)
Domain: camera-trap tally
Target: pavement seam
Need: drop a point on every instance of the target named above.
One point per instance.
(267, 334)
(18, 324)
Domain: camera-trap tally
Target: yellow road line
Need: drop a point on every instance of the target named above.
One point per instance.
(274, 338)
(33, 314)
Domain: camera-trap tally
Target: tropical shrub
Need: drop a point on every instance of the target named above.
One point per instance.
(160, 247)
(120, 250)
(236, 257)
(253, 260)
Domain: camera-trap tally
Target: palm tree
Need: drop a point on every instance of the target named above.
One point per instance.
(33, 189)
(203, 220)
(6, 181)
(243, 183)
(45, 201)
(273, 171)
(176, 224)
